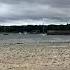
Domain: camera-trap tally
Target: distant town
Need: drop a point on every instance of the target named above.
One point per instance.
(37, 29)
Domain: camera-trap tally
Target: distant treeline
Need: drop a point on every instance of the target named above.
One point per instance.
(28, 28)
(58, 27)
(34, 28)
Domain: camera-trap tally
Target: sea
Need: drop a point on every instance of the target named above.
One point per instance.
(32, 38)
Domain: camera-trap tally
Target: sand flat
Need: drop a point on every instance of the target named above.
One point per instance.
(34, 57)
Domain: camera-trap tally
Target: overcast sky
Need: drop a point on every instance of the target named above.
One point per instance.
(25, 12)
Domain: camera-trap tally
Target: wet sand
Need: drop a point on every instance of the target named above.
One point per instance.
(39, 56)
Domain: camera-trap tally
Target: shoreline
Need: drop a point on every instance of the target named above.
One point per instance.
(48, 44)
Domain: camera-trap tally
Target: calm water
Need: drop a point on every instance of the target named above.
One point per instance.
(16, 37)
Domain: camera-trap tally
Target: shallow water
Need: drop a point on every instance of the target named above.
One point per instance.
(16, 37)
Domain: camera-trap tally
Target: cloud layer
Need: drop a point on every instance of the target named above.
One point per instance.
(14, 10)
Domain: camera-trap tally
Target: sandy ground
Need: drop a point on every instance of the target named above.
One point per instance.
(34, 57)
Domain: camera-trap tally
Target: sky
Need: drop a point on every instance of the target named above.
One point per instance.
(34, 12)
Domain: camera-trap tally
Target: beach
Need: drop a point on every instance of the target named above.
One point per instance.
(34, 56)
(34, 52)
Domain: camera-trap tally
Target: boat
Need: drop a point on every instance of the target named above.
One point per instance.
(44, 34)
(25, 33)
(20, 33)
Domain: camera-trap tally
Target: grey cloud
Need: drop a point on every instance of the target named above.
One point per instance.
(34, 9)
